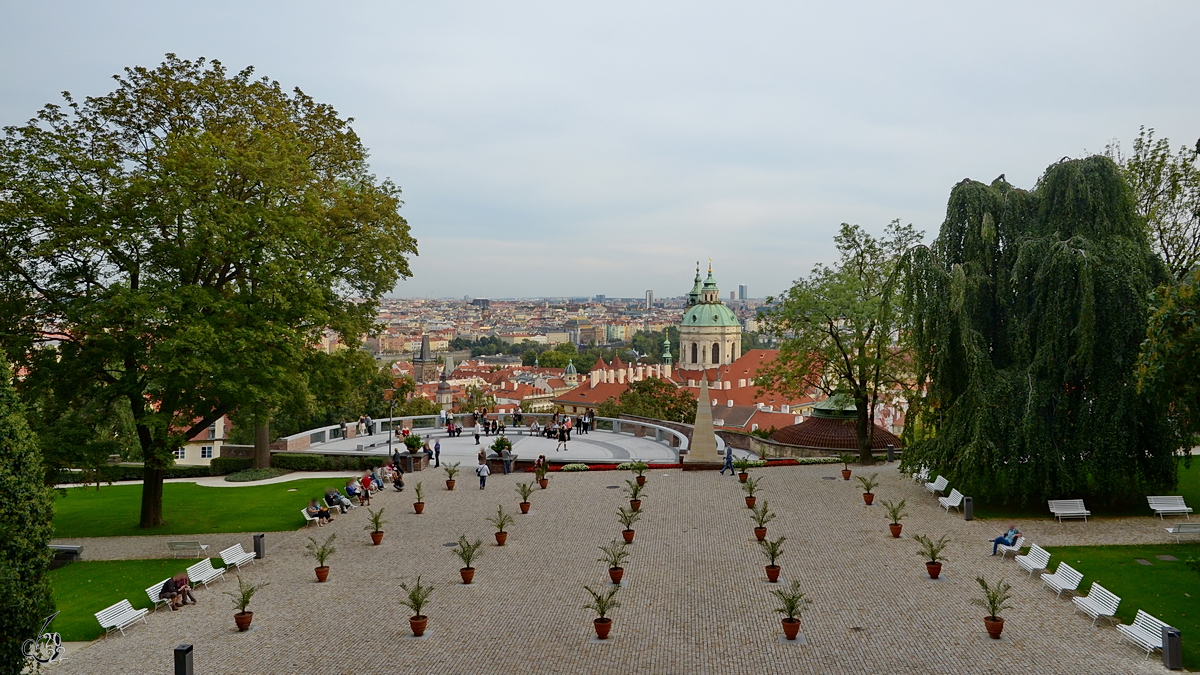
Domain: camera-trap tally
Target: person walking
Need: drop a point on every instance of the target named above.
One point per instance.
(370, 425)
(437, 453)
(562, 438)
(478, 430)
(483, 472)
(342, 428)
(728, 461)
(507, 457)
(567, 425)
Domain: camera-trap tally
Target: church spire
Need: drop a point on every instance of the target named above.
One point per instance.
(697, 288)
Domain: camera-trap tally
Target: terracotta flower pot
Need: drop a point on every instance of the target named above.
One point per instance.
(641, 480)
(791, 628)
(417, 624)
(772, 573)
(635, 504)
(419, 507)
(543, 482)
(322, 573)
(628, 534)
(750, 501)
(760, 533)
(243, 619)
(377, 537)
(994, 626)
(468, 574)
(743, 476)
(868, 498)
(602, 628)
(895, 528)
(501, 537)
(450, 484)
(845, 474)
(524, 507)
(934, 569)
(615, 573)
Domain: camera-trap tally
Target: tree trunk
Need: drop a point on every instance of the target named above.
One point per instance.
(262, 441)
(152, 494)
(863, 432)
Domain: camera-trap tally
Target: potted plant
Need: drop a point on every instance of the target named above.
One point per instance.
(750, 487)
(376, 526)
(742, 466)
(932, 552)
(501, 521)
(868, 483)
(614, 555)
(791, 604)
(416, 597)
(627, 517)
(501, 444)
(419, 505)
(467, 552)
(634, 491)
(321, 553)
(602, 604)
(895, 513)
(451, 471)
(761, 516)
(639, 468)
(413, 442)
(540, 471)
(524, 489)
(846, 458)
(241, 600)
(772, 549)
(995, 600)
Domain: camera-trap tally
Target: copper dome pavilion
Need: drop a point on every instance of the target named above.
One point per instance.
(833, 427)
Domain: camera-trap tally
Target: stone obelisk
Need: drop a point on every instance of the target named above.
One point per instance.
(702, 451)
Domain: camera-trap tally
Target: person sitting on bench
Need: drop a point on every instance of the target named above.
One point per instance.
(1008, 538)
(334, 498)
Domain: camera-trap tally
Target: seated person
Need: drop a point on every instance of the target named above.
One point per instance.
(398, 481)
(323, 513)
(1008, 538)
(353, 490)
(170, 593)
(375, 479)
(184, 588)
(334, 499)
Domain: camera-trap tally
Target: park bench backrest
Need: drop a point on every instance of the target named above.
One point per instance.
(1104, 598)
(183, 545)
(202, 571)
(955, 497)
(940, 483)
(1166, 502)
(1148, 623)
(1066, 506)
(111, 616)
(1069, 576)
(1038, 555)
(1182, 528)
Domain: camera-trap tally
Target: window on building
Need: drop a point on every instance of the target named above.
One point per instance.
(212, 432)
(716, 353)
(206, 452)
(695, 353)
(180, 453)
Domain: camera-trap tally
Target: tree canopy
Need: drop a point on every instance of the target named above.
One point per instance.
(182, 242)
(1027, 312)
(654, 398)
(1169, 364)
(838, 330)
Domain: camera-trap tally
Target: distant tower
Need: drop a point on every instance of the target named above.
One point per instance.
(666, 351)
(649, 299)
(445, 395)
(743, 292)
(571, 376)
(425, 366)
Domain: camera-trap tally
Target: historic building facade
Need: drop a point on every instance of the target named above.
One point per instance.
(710, 334)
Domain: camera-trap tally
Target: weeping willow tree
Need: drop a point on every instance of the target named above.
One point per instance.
(1026, 317)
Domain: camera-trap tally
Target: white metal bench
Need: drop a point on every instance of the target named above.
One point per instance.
(119, 617)
(921, 476)
(1015, 549)
(178, 547)
(1034, 561)
(1145, 632)
(1182, 530)
(938, 485)
(308, 519)
(1097, 603)
(953, 501)
(1068, 508)
(1065, 578)
(203, 572)
(155, 593)
(1169, 506)
(236, 556)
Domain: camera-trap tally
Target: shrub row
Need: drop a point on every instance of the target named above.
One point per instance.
(299, 462)
(226, 465)
(247, 475)
(120, 472)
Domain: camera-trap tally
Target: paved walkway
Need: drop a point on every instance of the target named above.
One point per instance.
(696, 600)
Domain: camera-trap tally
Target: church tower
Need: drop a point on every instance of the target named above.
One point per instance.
(710, 335)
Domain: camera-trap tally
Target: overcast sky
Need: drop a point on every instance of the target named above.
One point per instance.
(563, 149)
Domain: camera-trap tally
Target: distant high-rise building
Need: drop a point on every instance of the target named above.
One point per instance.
(649, 299)
(600, 298)
(732, 295)
(743, 292)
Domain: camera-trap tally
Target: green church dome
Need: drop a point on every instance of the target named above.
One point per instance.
(708, 314)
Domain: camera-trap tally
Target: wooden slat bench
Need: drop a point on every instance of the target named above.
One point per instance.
(1145, 632)
(1065, 578)
(119, 617)
(203, 572)
(1183, 530)
(1097, 603)
(1169, 506)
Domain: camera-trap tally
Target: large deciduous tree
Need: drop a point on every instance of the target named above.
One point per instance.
(838, 330)
(182, 241)
(1169, 364)
(654, 398)
(1027, 313)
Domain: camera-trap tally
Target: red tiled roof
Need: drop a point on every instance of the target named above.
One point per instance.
(831, 434)
(586, 394)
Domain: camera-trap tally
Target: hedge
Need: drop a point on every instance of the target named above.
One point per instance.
(298, 462)
(118, 472)
(305, 462)
(225, 465)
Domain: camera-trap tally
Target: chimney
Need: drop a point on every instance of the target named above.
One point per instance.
(666, 370)
(730, 403)
(785, 408)
(621, 376)
(595, 375)
(728, 384)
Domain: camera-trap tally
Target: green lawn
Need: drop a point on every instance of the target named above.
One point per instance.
(83, 588)
(188, 508)
(1167, 589)
(1188, 487)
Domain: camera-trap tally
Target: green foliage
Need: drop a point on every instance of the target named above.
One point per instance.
(416, 596)
(628, 517)
(761, 515)
(119, 472)
(772, 549)
(298, 462)
(451, 470)
(501, 519)
(932, 549)
(791, 600)
(26, 510)
(377, 521)
(467, 551)
(473, 399)
(615, 554)
(248, 475)
(524, 489)
(417, 406)
(1026, 315)
(638, 468)
(995, 597)
(577, 466)
(501, 444)
(751, 486)
(653, 398)
(321, 552)
(633, 490)
(845, 458)
(221, 466)
(837, 328)
(764, 433)
(602, 602)
(245, 592)
(193, 232)
(1166, 191)
(413, 441)
(419, 492)
(1168, 367)
(868, 482)
(896, 510)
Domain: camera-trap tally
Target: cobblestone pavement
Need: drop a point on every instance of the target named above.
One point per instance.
(695, 600)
